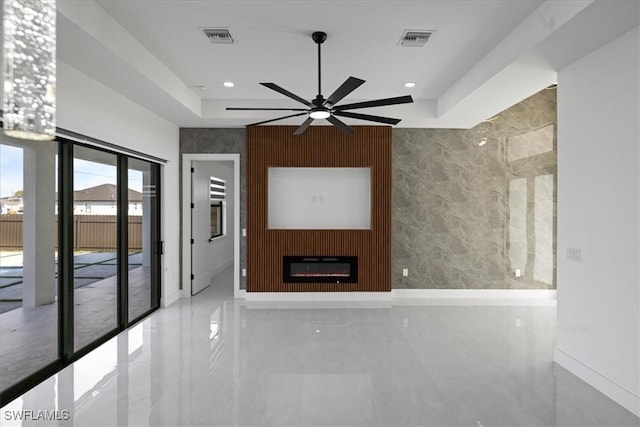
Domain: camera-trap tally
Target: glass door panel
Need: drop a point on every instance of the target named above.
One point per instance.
(28, 258)
(142, 222)
(95, 260)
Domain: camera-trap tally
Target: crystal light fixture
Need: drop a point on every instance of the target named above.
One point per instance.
(29, 100)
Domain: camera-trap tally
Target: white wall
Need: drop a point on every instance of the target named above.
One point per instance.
(90, 108)
(598, 329)
(210, 258)
(319, 198)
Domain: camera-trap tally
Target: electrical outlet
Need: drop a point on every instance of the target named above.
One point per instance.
(405, 272)
(244, 232)
(244, 272)
(518, 272)
(574, 254)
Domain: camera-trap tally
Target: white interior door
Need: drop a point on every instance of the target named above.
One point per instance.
(200, 229)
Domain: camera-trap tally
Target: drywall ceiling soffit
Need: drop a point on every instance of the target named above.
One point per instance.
(91, 41)
(595, 26)
(479, 59)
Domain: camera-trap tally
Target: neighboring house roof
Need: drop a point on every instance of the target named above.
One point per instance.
(104, 193)
(11, 200)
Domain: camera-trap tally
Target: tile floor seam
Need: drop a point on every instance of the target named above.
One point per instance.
(373, 395)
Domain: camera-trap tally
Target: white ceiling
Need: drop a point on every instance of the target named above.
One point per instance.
(483, 57)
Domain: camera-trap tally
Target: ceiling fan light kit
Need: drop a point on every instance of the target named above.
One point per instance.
(321, 108)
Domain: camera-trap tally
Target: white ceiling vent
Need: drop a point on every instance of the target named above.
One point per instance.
(415, 38)
(218, 35)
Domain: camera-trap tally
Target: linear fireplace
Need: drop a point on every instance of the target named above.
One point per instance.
(310, 269)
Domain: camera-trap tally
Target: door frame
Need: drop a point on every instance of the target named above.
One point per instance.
(187, 160)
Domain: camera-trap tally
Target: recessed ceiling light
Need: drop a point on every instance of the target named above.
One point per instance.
(200, 87)
(228, 84)
(482, 141)
(409, 84)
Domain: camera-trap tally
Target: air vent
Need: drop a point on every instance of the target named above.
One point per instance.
(218, 35)
(415, 38)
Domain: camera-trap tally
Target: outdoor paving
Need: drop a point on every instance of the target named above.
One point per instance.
(88, 268)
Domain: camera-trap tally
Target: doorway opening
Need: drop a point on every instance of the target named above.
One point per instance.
(211, 221)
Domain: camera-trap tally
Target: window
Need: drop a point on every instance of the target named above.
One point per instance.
(217, 196)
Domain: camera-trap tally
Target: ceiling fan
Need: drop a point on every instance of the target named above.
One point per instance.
(321, 108)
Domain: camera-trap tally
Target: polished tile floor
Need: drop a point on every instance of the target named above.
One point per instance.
(213, 361)
(29, 337)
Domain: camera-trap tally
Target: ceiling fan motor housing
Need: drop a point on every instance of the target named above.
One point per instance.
(319, 37)
(318, 101)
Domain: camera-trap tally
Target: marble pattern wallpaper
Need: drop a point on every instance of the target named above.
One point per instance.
(219, 140)
(475, 208)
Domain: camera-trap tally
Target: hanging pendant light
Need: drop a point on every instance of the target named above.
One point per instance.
(29, 99)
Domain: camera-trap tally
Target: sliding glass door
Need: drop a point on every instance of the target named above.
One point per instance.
(95, 241)
(29, 333)
(79, 253)
(142, 228)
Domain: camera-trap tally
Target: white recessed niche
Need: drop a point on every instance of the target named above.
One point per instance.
(319, 198)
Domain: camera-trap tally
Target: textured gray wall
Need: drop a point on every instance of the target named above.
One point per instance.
(200, 141)
(450, 198)
(450, 201)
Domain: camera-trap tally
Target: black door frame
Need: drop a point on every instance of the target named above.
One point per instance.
(66, 353)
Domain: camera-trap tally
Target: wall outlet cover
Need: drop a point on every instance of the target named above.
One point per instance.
(405, 272)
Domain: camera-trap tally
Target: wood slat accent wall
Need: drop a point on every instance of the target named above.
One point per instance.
(319, 146)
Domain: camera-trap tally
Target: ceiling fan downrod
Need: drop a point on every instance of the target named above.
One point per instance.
(319, 37)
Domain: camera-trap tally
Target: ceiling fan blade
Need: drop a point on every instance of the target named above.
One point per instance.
(279, 118)
(340, 125)
(264, 109)
(371, 118)
(351, 84)
(376, 103)
(285, 92)
(303, 126)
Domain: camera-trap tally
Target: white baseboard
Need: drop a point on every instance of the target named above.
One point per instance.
(614, 391)
(439, 296)
(475, 293)
(481, 297)
(318, 296)
(222, 267)
(170, 299)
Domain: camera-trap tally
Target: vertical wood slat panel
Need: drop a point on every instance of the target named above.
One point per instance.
(319, 146)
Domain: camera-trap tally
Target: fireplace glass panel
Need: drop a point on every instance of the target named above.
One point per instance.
(320, 269)
(306, 269)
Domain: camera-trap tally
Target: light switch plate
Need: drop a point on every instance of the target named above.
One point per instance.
(405, 272)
